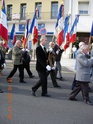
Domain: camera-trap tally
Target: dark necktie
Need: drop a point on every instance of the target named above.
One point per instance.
(44, 49)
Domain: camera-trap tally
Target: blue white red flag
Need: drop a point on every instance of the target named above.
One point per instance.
(59, 31)
(12, 35)
(66, 32)
(3, 24)
(26, 33)
(34, 27)
(73, 30)
(91, 33)
(66, 28)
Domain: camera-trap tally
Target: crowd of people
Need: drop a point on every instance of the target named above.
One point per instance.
(48, 63)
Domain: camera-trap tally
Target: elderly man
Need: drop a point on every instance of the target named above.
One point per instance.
(74, 81)
(82, 75)
(41, 64)
(17, 61)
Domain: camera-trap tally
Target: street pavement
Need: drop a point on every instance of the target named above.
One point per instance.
(18, 106)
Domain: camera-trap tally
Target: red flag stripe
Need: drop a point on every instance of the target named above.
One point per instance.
(3, 33)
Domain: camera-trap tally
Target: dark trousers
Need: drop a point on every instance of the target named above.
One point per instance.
(53, 77)
(20, 67)
(27, 67)
(58, 69)
(73, 83)
(42, 82)
(83, 87)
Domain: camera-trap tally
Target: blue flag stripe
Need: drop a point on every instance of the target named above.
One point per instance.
(59, 15)
(91, 33)
(3, 7)
(74, 24)
(66, 24)
(32, 24)
(12, 32)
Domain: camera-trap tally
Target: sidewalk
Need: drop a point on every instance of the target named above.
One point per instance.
(69, 63)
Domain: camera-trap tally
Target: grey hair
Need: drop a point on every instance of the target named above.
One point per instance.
(17, 42)
(42, 37)
(84, 47)
(81, 43)
(51, 43)
(1, 41)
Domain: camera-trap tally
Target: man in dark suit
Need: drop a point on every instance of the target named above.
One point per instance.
(41, 64)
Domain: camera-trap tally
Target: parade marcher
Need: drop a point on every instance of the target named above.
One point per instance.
(17, 61)
(26, 62)
(74, 81)
(82, 75)
(58, 52)
(51, 61)
(2, 57)
(41, 67)
(74, 49)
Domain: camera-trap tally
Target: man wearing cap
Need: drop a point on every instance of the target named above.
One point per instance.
(17, 61)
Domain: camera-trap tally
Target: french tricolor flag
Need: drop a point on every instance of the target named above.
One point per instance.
(66, 32)
(73, 30)
(66, 28)
(59, 31)
(26, 33)
(3, 24)
(12, 35)
(34, 27)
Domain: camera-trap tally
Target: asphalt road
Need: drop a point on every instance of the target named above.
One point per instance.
(18, 106)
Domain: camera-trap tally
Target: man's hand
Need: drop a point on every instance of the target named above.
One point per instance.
(48, 68)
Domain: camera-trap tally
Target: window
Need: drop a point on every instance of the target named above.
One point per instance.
(23, 12)
(54, 10)
(39, 6)
(9, 12)
(83, 8)
(21, 27)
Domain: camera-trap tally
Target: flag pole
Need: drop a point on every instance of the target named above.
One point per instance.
(89, 43)
(91, 37)
(53, 38)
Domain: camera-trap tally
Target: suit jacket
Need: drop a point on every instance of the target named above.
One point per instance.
(41, 62)
(17, 55)
(83, 68)
(51, 58)
(58, 56)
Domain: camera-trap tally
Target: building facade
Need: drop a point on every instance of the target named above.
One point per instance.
(20, 11)
(84, 9)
